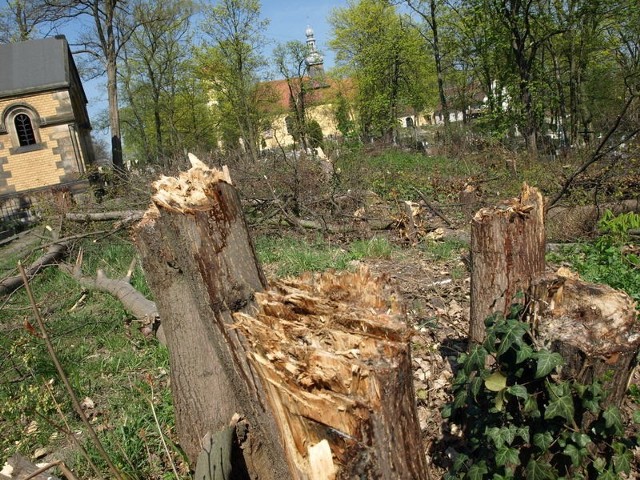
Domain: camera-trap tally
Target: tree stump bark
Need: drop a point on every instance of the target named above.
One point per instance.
(507, 252)
(334, 353)
(200, 264)
(320, 368)
(593, 327)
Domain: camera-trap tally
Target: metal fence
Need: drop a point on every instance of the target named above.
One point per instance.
(15, 214)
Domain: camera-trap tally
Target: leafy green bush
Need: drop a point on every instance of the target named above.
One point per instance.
(520, 421)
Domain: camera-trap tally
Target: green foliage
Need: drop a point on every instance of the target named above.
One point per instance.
(521, 421)
(607, 260)
(388, 61)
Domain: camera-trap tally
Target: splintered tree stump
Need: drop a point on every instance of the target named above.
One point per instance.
(334, 354)
(200, 264)
(318, 370)
(507, 252)
(593, 327)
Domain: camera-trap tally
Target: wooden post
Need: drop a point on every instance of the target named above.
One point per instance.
(200, 264)
(507, 252)
(320, 368)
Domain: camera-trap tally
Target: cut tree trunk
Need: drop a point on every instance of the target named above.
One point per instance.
(320, 369)
(593, 327)
(200, 263)
(334, 353)
(507, 253)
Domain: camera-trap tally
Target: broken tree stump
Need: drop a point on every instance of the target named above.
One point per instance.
(334, 354)
(507, 252)
(200, 264)
(593, 327)
(322, 380)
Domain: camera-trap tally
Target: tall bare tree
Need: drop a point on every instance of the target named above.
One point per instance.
(26, 19)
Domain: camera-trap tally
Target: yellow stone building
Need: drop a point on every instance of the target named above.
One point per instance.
(44, 124)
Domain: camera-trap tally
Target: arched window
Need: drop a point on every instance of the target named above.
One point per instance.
(22, 123)
(409, 122)
(24, 130)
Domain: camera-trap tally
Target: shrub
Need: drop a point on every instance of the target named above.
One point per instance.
(521, 421)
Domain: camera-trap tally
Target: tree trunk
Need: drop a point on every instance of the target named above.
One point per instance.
(200, 264)
(593, 327)
(334, 353)
(319, 366)
(507, 252)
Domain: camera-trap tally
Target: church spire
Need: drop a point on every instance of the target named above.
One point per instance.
(314, 61)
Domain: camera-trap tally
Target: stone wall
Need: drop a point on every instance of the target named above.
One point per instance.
(57, 158)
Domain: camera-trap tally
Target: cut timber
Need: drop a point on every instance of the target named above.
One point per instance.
(200, 264)
(333, 351)
(507, 252)
(593, 327)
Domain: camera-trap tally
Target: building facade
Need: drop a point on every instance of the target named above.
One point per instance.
(44, 125)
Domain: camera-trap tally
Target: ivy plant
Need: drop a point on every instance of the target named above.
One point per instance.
(521, 421)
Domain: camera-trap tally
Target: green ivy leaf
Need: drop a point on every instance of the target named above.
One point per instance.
(540, 470)
(543, 441)
(636, 416)
(608, 475)
(476, 384)
(496, 382)
(523, 433)
(560, 407)
(581, 439)
(475, 359)
(524, 352)
(599, 464)
(512, 334)
(507, 456)
(519, 391)
(576, 454)
(613, 419)
(531, 407)
(546, 362)
(477, 471)
(622, 458)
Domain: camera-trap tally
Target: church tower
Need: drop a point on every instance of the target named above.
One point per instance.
(314, 61)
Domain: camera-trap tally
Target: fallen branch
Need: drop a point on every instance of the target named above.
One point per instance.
(134, 302)
(55, 252)
(124, 216)
(432, 208)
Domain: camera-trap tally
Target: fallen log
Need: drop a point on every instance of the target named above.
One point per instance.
(133, 301)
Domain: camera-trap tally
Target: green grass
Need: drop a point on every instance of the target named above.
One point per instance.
(290, 256)
(395, 174)
(105, 358)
